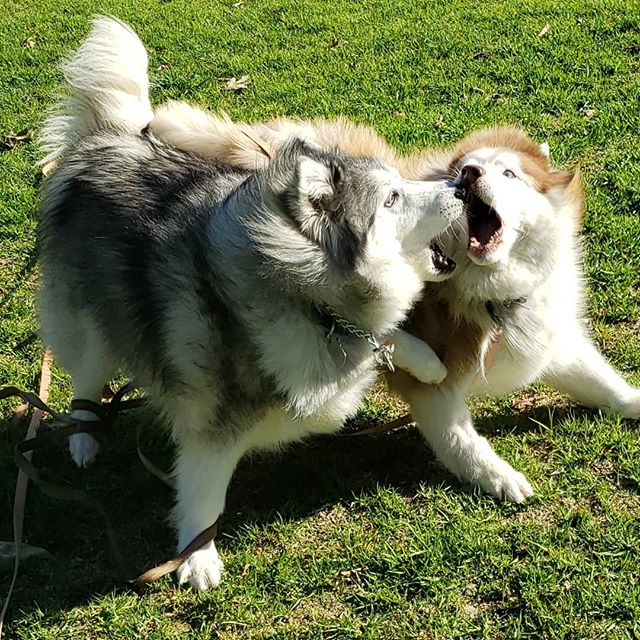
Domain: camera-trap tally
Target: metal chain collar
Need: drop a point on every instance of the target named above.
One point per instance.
(382, 351)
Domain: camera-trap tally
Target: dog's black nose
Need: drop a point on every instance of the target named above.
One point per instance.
(470, 174)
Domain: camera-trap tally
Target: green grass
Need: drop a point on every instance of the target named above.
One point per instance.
(357, 538)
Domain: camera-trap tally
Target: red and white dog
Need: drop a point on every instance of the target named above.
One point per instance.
(513, 310)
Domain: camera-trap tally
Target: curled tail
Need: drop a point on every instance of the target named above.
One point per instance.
(188, 128)
(108, 89)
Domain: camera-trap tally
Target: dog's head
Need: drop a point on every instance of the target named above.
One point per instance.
(513, 195)
(356, 209)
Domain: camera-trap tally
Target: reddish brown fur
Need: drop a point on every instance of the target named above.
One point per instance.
(456, 341)
(534, 162)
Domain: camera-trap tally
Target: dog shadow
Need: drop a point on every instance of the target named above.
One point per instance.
(305, 478)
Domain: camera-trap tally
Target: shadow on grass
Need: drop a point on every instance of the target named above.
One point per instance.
(25, 271)
(290, 485)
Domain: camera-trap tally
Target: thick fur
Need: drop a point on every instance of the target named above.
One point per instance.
(112, 96)
(508, 316)
(207, 282)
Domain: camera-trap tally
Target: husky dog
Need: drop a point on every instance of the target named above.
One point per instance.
(512, 312)
(249, 305)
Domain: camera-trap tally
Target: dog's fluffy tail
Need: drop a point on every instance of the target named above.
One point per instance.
(108, 89)
(188, 128)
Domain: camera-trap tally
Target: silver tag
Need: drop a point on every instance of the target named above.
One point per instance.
(383, 353)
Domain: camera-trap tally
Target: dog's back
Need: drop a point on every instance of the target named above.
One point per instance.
(120, 214)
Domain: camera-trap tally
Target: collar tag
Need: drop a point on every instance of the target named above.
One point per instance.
(383, 353)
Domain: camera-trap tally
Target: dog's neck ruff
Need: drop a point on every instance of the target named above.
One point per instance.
(496, 308)
(336, 324)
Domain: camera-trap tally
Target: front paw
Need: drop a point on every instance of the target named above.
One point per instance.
(202, 569)
(498, 478)
(631, 407)
(430, 371)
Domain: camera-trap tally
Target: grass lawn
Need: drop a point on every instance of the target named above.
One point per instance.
(356, 538)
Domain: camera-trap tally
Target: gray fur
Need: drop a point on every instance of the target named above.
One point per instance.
(150, 234)
(203, 282)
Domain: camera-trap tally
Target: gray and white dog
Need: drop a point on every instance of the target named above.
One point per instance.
(217, 288)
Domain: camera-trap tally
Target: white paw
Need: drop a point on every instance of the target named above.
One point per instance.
(202, 569)
(631, 407)
(83, 448)
(501, 480)
(430, 371)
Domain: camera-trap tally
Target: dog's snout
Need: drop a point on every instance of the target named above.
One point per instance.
(470, 175)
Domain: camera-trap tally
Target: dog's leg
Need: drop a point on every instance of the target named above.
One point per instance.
(83, 446)
(82, 352)
(417, 358)
(581, 371)
(445, 421)
(203, 471)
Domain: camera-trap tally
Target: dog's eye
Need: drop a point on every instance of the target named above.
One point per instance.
(508, 173)
(391, 199)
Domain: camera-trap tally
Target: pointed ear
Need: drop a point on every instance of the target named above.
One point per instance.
(565, 190)
(319, 181)
(320, 217)
(546, 152)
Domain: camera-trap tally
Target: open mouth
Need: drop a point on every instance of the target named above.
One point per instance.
(442, 263)
(485, 226)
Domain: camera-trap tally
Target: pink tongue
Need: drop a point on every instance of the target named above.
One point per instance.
(483, 232)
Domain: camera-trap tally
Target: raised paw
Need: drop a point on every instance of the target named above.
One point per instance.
(83, 448)
(202, 569)
(430, 371)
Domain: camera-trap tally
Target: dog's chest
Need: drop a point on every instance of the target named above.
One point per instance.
(515, 346)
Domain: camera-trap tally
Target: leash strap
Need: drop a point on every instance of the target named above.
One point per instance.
(22, 482)
(64, 426)
(163, 569)
(66, 493)
(379, 429)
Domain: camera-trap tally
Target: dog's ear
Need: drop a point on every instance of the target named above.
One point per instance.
(565, 190)
(319, 181)
(321, 212)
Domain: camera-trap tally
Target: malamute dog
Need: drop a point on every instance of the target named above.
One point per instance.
(513, 310)
(250, 305)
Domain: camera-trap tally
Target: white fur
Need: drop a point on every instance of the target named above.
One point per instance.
(445, 421)
(108, 85)
(315, 181)
(417, 358)
(544, 336)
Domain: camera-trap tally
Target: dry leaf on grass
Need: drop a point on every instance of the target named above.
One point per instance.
(14, 139)
(236, 84)
(543, 30)
(349, 574)
(29, 42)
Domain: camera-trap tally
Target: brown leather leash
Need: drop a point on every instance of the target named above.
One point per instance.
(64, 426)
(22, 481)
(379, 429)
